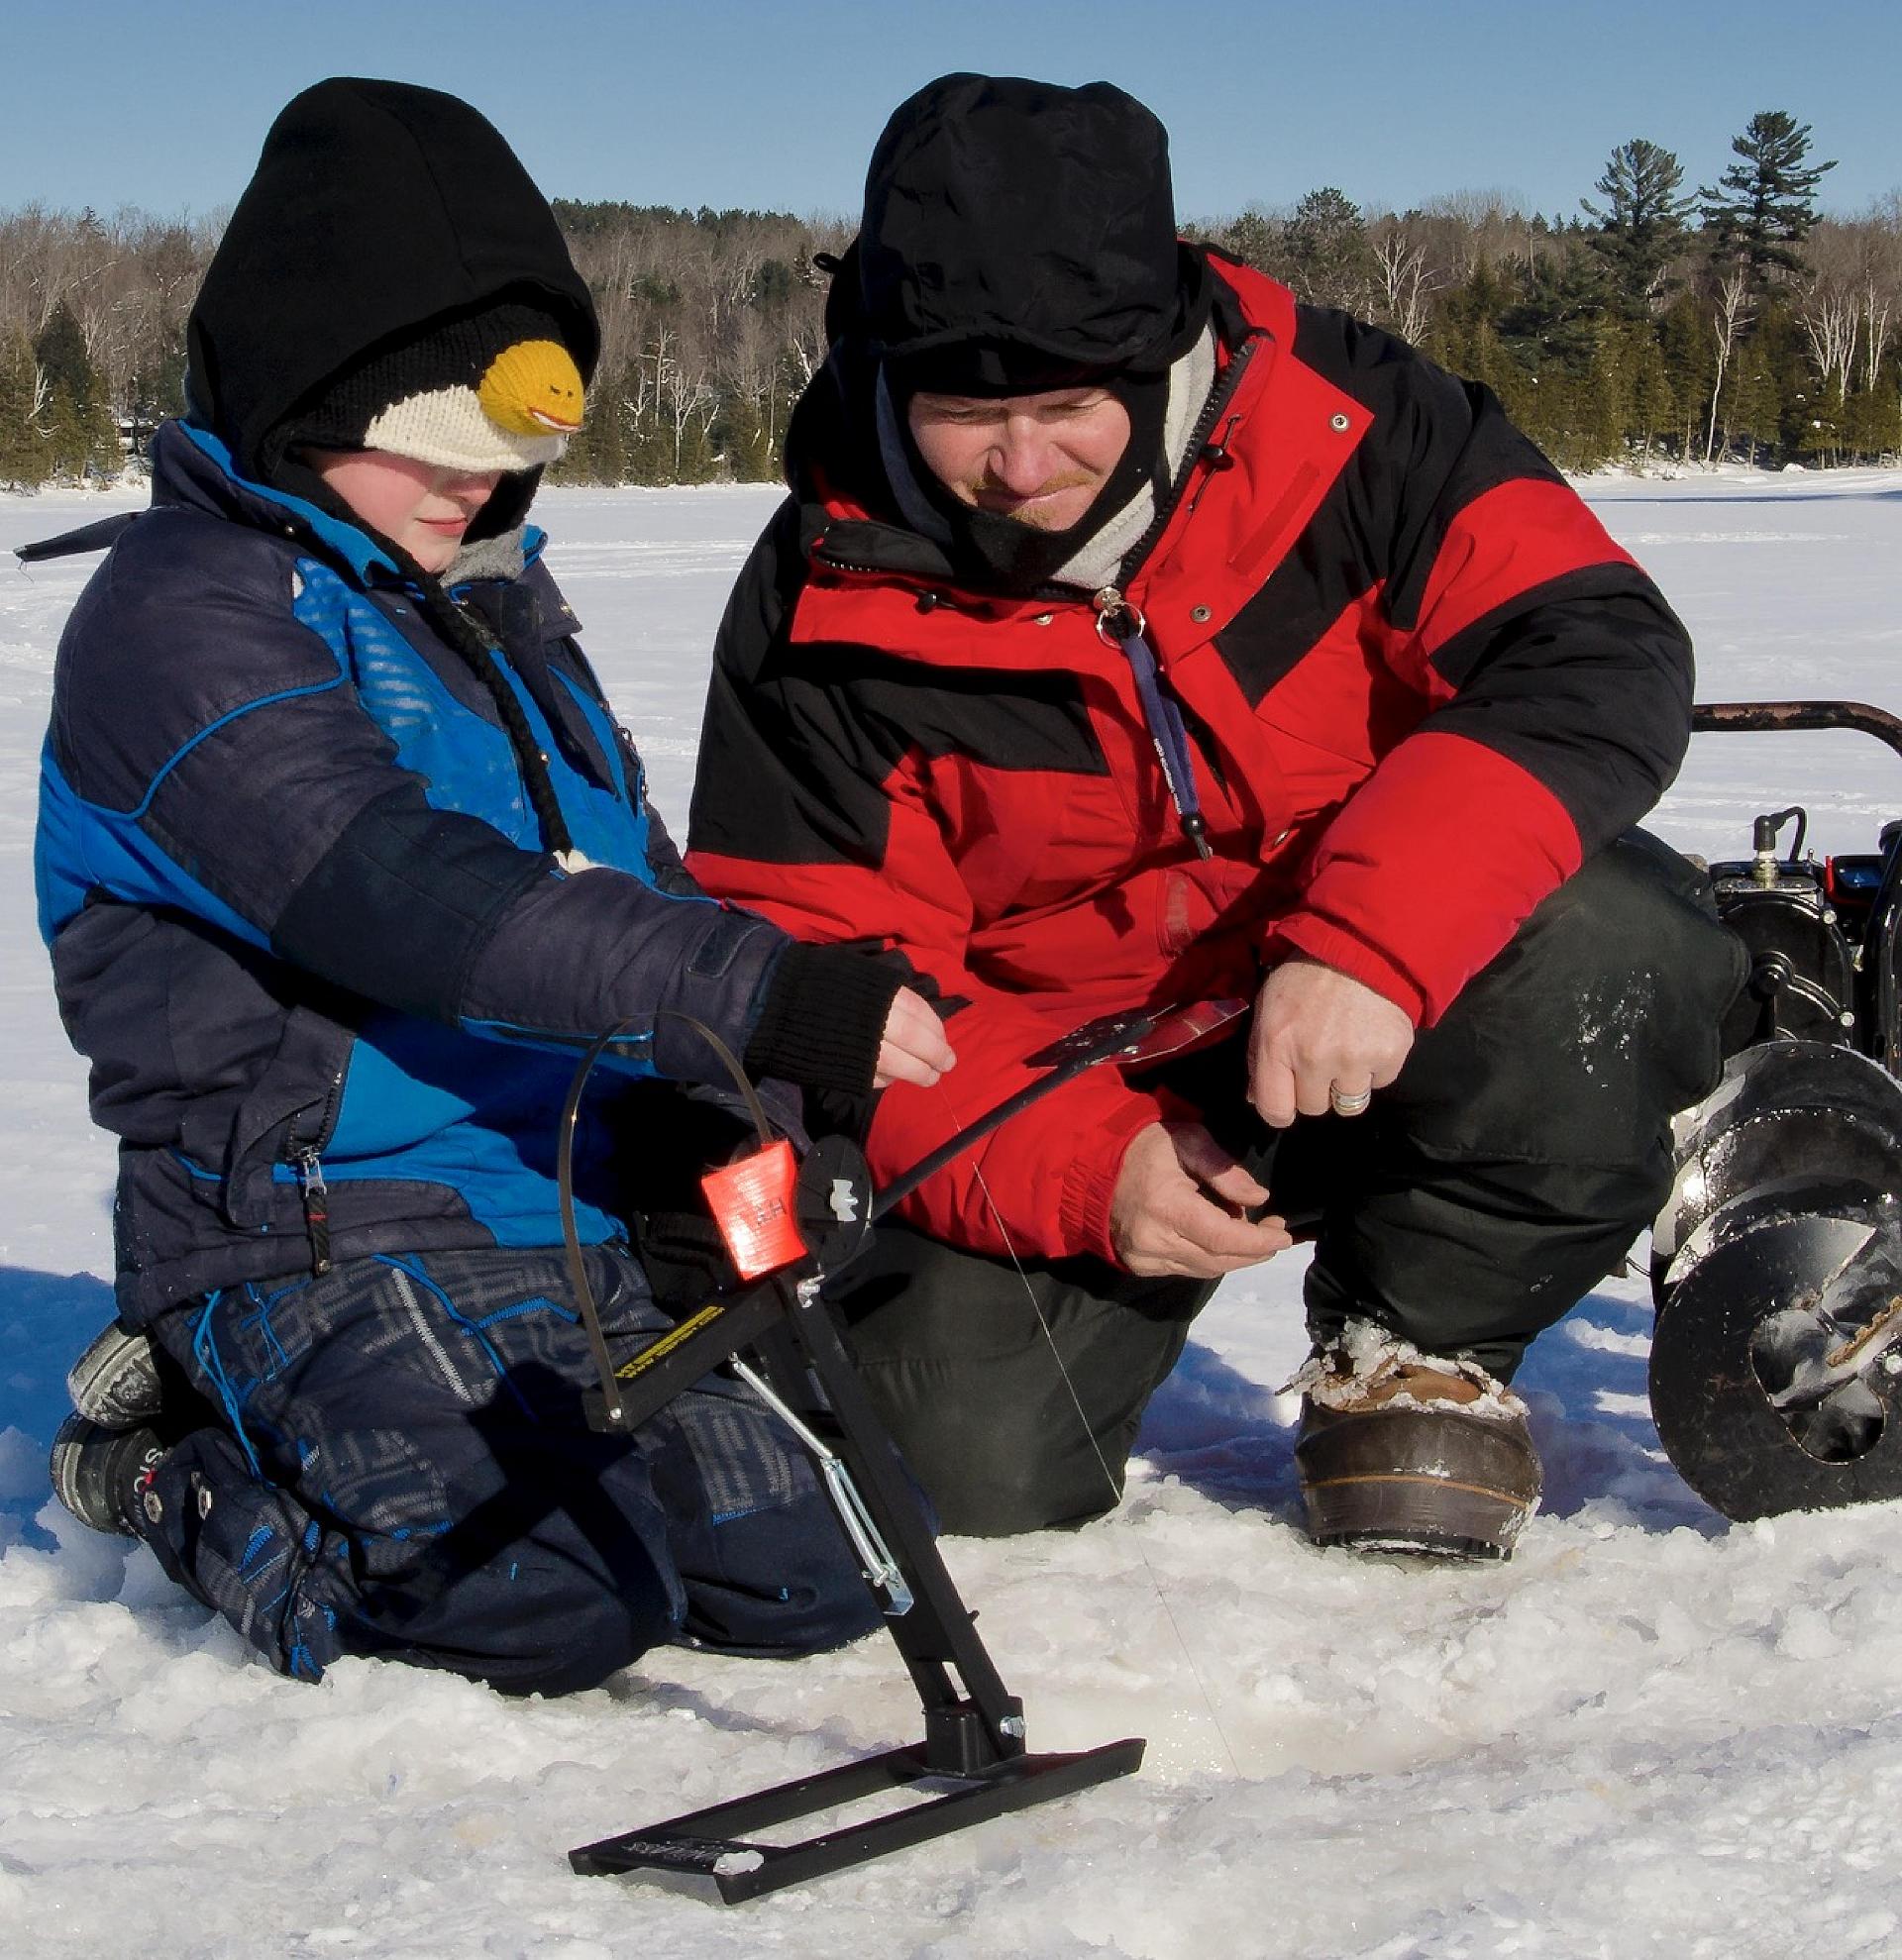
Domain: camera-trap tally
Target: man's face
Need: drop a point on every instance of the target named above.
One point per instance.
(1038, 459)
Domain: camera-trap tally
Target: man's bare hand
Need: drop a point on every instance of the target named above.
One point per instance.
(1175, 1209)
(1321, 1034)
(912, 1048)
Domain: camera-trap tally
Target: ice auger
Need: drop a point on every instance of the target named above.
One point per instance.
(1776, 1361)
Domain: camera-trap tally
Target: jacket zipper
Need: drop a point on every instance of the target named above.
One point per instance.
(316, 1197)
(1220, 397)
(1122, 625)
(315, 1193)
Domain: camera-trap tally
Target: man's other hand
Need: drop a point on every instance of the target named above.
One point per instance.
(1175, 1212)
(1321, 1037)
(912, 1048)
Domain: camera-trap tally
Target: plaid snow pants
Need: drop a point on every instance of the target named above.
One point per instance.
(395, 1463)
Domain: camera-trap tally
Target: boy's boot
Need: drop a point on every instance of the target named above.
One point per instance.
(104, 1476)
(115, 1382)
(1400, 1451)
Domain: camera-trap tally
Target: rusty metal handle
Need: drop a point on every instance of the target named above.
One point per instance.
(1766, 717)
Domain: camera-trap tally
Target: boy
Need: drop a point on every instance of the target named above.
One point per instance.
(341, 861)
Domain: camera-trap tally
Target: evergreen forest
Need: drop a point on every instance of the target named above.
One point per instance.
(1663, 322)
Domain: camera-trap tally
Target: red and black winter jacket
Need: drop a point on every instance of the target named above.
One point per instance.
(1420, 683)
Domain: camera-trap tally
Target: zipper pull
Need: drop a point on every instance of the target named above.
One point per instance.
(1116, 619)
(316, 1195)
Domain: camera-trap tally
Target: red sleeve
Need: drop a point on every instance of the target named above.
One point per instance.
(1560, 685)
(1039, 1185)
(1429, 871)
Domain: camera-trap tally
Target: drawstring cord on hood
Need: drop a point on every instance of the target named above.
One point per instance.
(454, 625)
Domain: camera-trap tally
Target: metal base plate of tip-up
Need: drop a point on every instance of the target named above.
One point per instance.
(712, 1845)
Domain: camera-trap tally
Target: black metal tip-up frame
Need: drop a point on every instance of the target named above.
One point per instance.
(778, 1333)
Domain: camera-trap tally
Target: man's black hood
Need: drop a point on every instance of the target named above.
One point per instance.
(376, 207)
(1023, 228)
(1017, 237)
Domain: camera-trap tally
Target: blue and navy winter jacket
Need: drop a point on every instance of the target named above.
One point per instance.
(301, 918)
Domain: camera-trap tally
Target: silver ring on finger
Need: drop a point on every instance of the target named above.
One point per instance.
(1349, 1105)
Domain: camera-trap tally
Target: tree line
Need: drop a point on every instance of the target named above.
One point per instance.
(1731, 321)
(1658, 322)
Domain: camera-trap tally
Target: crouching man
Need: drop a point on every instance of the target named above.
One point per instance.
(1133, 635)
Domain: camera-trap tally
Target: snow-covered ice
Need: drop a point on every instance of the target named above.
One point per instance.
(1652, 1731)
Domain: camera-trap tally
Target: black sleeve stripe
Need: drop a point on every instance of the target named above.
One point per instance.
(401, 903)
(1593, 702)
(1460, 659)
(1437, 444)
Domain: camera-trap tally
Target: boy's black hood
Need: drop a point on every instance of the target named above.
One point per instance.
(376, 207)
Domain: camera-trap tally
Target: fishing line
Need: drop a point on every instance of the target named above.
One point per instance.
(591, 1316)
(1096, 1449)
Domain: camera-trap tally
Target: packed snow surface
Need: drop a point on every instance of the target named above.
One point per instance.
(1652, 1731)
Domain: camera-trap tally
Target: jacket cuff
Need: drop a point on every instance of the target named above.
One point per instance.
(1320, 939)
(821, 1018)
(1091, 1181)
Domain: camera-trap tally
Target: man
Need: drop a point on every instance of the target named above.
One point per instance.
(1135, 635)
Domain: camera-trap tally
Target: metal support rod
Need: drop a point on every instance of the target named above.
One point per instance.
(1770, 717)
(938, 1633)
(882, 1571)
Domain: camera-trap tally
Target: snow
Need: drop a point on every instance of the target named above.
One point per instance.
(1652, 1731)
(1366, 1356)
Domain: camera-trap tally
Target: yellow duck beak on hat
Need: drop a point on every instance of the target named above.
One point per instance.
(533, 388)
(519, 416)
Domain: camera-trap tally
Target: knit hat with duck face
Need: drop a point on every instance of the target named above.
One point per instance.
(392, 278)
(492, 389)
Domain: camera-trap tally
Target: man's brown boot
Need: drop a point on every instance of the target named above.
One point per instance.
(1400, 1451)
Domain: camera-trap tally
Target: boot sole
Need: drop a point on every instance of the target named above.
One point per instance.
(1419, 1482)
(115, 1382)
(86, 1497)
(1416, 1516)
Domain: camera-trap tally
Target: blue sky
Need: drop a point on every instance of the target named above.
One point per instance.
(741, 102)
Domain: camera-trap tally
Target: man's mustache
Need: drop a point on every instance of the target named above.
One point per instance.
(1002, 501)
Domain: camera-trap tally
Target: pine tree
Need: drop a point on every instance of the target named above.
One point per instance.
(1758, 403)
(743, 438)
(82, 434)
(157, 388)
(1605, 409)
(1771, 202)
(1254, 239)
(1873, 422)
(1329, 260)
(1687, 345)
(1553, 319)
(1652, 412)
(1452, 338)
(23, 445)
(1640, 224)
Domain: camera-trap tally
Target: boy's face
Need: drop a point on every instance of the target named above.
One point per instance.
(420, 506)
